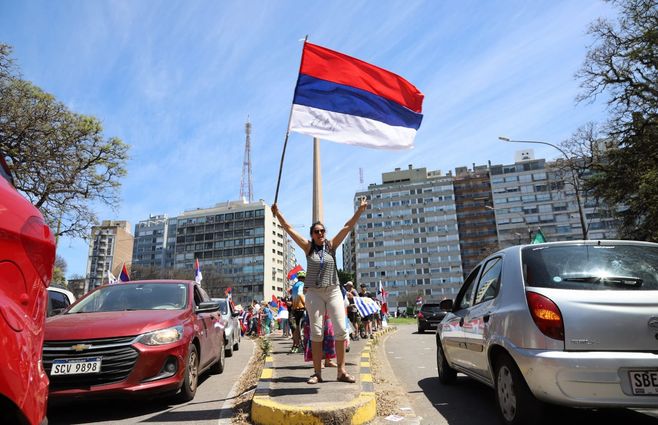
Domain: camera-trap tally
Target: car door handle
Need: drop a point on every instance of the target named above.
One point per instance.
(485, 318)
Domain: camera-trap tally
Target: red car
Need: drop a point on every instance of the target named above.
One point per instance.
(136, 338)
(27, 256)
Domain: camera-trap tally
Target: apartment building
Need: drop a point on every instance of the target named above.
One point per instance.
(408, 237)
(111, 246)
(239, 242)
(476, 220)
(154, 242)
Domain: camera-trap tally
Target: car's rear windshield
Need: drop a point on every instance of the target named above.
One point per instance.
(127, 297)
(431, 307)
(592, 267)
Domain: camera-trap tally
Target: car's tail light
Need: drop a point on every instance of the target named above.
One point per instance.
(546, 315)
(39, 244)
(420, 315)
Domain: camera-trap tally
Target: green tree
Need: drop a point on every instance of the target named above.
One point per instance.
(622, 64)
(344, 276)
(61, 160)
(59, 272)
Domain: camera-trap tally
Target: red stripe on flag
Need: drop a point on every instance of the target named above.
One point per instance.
(330, 65)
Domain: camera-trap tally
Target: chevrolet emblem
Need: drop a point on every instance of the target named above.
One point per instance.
(80, 347)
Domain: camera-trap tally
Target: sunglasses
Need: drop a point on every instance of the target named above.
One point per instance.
(318, 231)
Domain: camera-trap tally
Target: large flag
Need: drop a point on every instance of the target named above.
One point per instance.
(197, 272)
(366, 306)
(346, 100)
(124, 277)
(292, 274)
(111, 279)
(539, 237)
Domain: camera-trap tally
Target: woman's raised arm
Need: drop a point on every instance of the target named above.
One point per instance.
(340, 236)
(303, 243)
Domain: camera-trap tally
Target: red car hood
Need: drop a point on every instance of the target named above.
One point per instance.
(110, 324)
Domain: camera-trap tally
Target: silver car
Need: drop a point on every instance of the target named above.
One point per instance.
(571, 323)
(232, 330)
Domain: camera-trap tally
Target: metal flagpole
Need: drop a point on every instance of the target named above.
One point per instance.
(285, 143)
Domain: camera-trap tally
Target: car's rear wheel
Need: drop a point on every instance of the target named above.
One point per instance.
(228, 349)
(516, 403)
(218, 366)
(188, 390)
(236, 346)
(447, 375)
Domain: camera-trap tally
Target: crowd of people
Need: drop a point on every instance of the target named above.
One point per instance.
(288, 314)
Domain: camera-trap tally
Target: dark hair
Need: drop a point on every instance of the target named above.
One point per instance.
(315, 224)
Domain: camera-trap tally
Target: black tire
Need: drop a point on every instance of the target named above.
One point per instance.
(236, 346)
(447, 375)
(191, 379)
(218, 366)
(515, 402)
(228, 349)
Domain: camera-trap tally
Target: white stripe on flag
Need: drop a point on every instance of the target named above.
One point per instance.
(350, 129)
(366, 306)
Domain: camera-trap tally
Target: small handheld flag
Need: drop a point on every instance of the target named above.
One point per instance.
(292, 274)
(366, 306)
(197, 272)
(539, 237)
(124, 277)
(111, 279)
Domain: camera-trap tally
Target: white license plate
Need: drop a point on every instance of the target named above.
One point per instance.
(76, 366)
(644, 382)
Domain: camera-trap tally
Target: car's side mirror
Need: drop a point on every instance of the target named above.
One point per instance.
(207, 307)
(446, 305)
(235, 314)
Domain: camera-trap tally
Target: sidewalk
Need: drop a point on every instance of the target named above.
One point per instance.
(284, 397)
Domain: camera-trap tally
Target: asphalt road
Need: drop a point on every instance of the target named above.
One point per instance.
(211, 403)
(413, 358)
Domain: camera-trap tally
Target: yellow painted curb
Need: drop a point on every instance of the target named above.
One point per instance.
(264, 411)
(266, 374)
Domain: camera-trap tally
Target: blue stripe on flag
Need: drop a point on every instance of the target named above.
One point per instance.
(334, 97)
(366, 306)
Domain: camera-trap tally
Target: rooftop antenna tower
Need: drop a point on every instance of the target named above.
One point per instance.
(361, 178)
(246, 187)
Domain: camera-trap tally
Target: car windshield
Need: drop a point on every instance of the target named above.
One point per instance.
(592, 267)
(126, 297)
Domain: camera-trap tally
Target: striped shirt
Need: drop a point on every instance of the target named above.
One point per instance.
(321, 268)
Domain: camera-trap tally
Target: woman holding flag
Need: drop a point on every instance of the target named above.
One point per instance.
(324, 293)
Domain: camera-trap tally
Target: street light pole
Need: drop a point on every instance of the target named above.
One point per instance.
(576, 185)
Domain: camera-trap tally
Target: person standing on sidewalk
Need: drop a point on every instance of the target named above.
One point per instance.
(324, 292)
(298, 310)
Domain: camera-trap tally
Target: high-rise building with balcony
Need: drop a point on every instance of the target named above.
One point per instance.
(111, 246)
(153, 242)
(475, 216)
(239, 242)
(408, 237)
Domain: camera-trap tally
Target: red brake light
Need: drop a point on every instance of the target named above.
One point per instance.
(39, 244)
(546, 315)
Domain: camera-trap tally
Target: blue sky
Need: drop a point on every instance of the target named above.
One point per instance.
(177, 79)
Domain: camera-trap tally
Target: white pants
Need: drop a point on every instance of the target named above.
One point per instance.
(329, 299)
